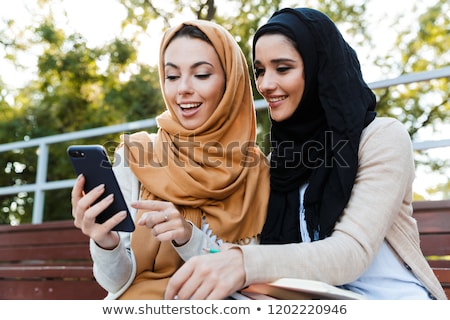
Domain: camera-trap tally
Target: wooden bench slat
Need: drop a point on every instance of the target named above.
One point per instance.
(48, 225)
(433, 220)
(46, 252)
(52, 272)
(428, 205)
(61, 232)
(443, 274)
(439, 264)
(437, 244)
(432, 216)
(28, 238)
(51, 290)
(46, 261)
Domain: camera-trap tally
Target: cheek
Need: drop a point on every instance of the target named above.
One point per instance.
(297, 87)
(170, 91)
(216, 92)
(298, 93)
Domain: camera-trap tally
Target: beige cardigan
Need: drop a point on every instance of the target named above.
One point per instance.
(379, 208)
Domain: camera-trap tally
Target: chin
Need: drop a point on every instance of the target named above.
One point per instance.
(191, 125)
(277, 116)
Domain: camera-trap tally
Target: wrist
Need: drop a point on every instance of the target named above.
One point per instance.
(237, 256)
(110, 242)
(186, 238)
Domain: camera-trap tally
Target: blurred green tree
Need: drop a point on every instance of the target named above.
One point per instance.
(77, 86)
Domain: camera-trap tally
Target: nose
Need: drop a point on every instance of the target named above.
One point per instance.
(266, 83)
(184, 86)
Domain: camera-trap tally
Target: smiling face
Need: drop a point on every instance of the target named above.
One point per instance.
(279, 73)
(194, 80)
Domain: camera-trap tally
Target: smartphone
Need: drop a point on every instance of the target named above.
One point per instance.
(92, 161)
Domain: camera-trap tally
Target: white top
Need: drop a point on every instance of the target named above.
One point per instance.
(385, 278)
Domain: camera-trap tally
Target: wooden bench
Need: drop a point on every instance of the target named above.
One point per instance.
(52, 260)
(49, 261)
(433, 218)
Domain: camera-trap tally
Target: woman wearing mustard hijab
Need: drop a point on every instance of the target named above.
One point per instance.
(198, 183)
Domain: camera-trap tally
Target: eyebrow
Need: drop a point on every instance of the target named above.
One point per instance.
(278, 60)
(195, 65)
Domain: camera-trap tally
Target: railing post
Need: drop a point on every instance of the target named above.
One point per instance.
(41, 178)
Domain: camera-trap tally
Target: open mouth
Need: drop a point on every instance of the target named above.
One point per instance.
(189, 108)
(277, 99)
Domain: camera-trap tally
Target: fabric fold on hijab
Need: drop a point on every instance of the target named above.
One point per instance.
(318, 144)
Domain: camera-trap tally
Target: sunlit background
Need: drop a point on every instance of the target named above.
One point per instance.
(100, 22)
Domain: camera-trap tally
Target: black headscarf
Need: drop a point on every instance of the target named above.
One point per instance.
(319, 143)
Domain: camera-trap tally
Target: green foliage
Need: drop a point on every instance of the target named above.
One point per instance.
(422, 106)
(78, 87)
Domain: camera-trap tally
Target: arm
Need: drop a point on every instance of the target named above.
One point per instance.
(383, 179)
(113, 268)
(168, 224)
(196, 244)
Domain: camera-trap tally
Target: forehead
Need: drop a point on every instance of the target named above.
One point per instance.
(273, 46)
(187, 51)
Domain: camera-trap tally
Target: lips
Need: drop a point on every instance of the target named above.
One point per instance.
(275, 101)
(189, 105)
(189, 109)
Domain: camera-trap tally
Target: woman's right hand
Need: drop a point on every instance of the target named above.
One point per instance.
(84, 212)
(210, 276)
(165, 221)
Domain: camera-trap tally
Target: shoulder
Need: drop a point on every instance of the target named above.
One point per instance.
(142, 136)
(385, 132)
(391, 125)
(385, 144)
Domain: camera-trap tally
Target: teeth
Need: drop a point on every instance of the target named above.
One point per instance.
(277, 99)
(189, 105)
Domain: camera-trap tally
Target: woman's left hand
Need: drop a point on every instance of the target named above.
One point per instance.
(165, 220)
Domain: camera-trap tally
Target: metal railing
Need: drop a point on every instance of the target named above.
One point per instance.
(41, 184)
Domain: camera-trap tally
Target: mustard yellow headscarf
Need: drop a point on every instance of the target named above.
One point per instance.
(214, 172)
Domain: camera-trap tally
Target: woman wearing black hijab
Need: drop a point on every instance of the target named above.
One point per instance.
(341, 178)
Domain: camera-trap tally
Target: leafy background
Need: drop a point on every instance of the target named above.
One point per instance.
(71, 84)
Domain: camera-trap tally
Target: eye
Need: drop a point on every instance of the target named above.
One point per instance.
(203, 75)
(283, 69)
(171, 77)
(259, 72)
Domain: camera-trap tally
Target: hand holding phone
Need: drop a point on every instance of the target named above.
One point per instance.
(92, 161)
